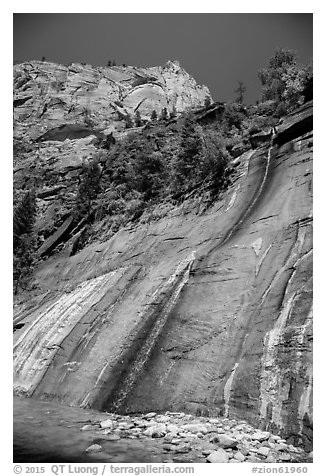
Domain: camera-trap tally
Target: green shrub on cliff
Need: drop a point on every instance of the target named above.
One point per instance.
(233, 117)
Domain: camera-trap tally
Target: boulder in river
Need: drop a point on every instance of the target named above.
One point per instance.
(106, 423)
(94, 448)
(218, 456)
(195, 427)
(157, 431)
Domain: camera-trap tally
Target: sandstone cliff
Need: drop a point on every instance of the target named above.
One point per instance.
(48, 95)
(204, 311)
(62, 113)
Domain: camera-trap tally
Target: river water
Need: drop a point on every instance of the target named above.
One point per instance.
(46, 432)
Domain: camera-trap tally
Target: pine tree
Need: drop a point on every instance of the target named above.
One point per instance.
(187, 161)
(154, 115)
(164, 114)
(173, 113)
(241, 89)
(138, 119)
(24, 240)
(24, 216)
(128, 122)
(88, 190)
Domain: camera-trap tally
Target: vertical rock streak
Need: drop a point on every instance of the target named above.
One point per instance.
(272, 391)
(295, 250)
(227, 390)
(304, 404)
(304, 407)
(301, 336)
(270, 380)
(261, 260)
(176, 282)
(232, 200)
(256, 197)
(257, 247)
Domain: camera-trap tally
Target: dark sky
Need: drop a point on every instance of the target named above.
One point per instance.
(218, 49)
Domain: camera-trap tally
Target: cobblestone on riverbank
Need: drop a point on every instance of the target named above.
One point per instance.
(186, 438)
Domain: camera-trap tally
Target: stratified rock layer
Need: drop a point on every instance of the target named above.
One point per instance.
(204, 312)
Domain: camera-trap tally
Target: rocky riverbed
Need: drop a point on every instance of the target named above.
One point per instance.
(49, 432)
(185, 438)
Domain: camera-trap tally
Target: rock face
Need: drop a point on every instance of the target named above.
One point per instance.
(48, 95)
(203, 312)
(62, 113)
